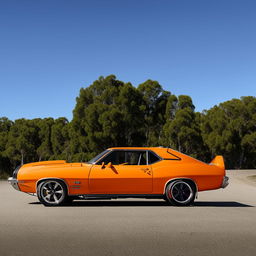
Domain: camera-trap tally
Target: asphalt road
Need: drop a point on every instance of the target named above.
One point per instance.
(221, 222)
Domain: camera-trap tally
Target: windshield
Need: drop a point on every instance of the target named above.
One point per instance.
(96, 158)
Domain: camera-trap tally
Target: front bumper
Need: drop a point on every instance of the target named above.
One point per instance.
(14, 183)
(225, 182)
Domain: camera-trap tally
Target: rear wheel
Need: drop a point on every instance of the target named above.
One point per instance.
(180, 193)
(52, 192)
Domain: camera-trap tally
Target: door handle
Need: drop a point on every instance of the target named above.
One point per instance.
(144, 169)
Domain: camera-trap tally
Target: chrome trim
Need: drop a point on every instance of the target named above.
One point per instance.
(15, 172)
(114, 196)
(179, 178)
(14, 183)
(225, 182)
(75, 186)
(52, 178)
(145, 150)
(177, 157)
(114, 150)
(31, 194)
(106, 154)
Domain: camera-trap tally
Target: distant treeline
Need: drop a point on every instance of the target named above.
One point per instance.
(113, 113)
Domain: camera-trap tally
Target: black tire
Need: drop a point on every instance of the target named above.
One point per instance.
(180, 193)
(52, 192)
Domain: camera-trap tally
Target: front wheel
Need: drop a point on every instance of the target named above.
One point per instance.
(52, 192)
(180, 193)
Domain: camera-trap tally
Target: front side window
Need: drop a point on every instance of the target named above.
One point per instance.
(96, 158)
(123, 157)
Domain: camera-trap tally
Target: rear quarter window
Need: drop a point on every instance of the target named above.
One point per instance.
(153, 158)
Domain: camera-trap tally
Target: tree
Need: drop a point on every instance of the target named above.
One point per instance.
(229, 129)
(110, 113)
(60, 139)
(182, 130)
(153, 105)
(22, 142)
(107, 114)
(5, 125)
(129, 102)
(44, 151)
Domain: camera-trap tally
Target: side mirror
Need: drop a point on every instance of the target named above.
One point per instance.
(109, 165)
(103, 165)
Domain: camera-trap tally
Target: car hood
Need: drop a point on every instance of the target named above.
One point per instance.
(42, 163)
(59, 168)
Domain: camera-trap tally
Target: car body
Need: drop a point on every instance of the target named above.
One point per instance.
(122, 172)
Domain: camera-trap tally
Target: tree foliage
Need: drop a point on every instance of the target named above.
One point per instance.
(110, 113)
(229, 129)
(182, 127)
(107, 114)
(153, 105)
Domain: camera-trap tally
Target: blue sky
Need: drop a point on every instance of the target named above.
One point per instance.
(50, 49)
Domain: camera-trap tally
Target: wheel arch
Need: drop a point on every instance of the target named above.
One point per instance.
(191, 181)
(51, 178)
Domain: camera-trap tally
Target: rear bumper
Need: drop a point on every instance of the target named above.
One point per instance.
(14, 183)
(225, 182)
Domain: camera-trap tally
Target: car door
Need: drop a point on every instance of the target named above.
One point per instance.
(128, 173)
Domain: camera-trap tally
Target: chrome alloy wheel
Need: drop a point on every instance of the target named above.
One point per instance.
(52, 192)
(181, 192)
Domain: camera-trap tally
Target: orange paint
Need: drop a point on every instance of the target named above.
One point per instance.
(85, 178)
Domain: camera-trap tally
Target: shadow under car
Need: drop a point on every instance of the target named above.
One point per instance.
(159, 203)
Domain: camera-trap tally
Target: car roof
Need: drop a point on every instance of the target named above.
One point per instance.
(163, 152)
(167, 153)
(144, 148)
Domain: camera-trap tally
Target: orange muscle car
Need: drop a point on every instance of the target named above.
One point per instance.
(138, 172)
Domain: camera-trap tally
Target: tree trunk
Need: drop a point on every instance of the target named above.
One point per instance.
(22, 158)
(241, 159)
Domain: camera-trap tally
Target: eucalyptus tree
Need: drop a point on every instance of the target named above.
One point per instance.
(22, 142)
(60, 139)
(153, 105)
(182, 128)
(44, 150)
(230, 129)
(107, 113)
(5, 125)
